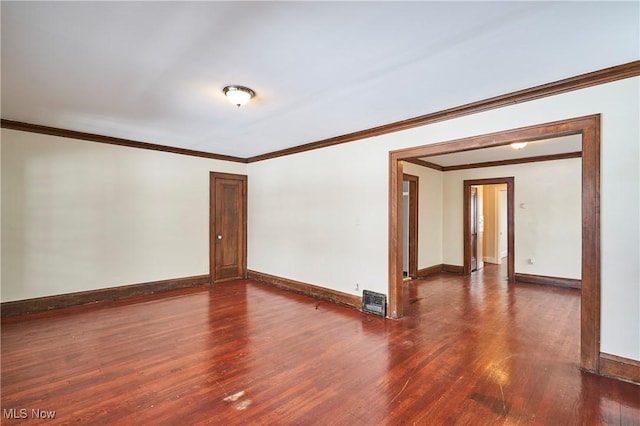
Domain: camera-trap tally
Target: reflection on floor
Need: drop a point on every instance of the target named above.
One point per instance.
(471, 350)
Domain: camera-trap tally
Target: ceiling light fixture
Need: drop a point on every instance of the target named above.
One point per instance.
(238, 95)
(518, 145)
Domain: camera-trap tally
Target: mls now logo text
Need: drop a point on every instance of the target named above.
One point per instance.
(24, 413)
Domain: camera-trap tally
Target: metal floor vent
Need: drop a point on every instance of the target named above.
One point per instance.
(374, 303)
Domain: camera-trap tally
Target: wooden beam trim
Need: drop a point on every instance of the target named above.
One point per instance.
(546, 280)
(59, 301)
(91, 137)
(591, 292)
(619, 72)
(317, 292)
(419, 162)
(620, 368)
(531, 133)
(394, 300)
(535, 159)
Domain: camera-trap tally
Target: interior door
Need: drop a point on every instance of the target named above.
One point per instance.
(228, 226)
(473, 209)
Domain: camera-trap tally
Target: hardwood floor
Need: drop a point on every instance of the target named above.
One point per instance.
(469, 351)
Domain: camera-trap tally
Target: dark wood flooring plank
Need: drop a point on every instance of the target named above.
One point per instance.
(470, 350)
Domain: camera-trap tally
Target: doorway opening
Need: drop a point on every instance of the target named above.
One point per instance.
(491, 226)
(470, 229)
(476, 228)
(410, 226)
(588, 128)
(501, 240)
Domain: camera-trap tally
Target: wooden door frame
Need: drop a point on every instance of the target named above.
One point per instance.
(589, 129)
(212, 236)
(466, 224)
(413, 224)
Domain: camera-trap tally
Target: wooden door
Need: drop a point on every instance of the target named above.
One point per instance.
(227, 227)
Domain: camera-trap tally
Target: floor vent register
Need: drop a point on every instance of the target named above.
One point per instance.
(374, 303)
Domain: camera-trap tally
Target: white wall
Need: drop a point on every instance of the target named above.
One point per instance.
(549, 229)
(429, 214)
(322, 216)
(79, 215)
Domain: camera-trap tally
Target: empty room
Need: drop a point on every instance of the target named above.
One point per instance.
(331, 213)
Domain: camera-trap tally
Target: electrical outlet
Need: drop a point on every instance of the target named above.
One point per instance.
(531, 261)
(357, 287)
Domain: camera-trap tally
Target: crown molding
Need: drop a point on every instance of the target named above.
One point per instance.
(423, 163)
(607, 75)
(73, 134)
(513, 161)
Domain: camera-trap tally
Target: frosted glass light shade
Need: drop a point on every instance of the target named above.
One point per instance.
(238, 95)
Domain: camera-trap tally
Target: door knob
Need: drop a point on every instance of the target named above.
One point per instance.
(219, 237)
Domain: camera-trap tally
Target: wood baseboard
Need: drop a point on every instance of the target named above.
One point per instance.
(47, 303)
(453, 269)
(552, 281)
(311, 290)
(425, 272)
(619, 368)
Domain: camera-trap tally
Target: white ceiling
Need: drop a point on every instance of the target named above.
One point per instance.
(154, 71)
(551, 146)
